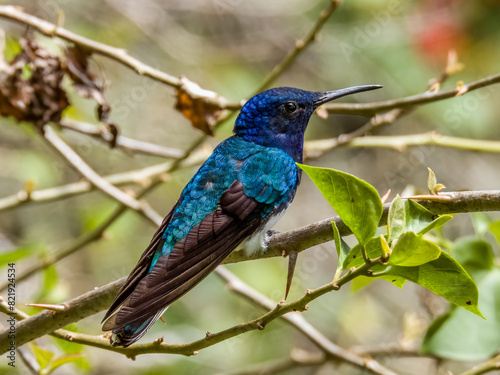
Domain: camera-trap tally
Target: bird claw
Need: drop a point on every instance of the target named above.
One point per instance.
(267, 237)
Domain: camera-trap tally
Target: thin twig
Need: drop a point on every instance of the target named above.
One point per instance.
(139, 176)
(402, 142)
(129, 144)
(299, 239)
(84, 169)
(117, 54)
(298, 358)
(311, 150)
(344, 139)
(370, 109)
(488, 366)
(97, 300)
(320, 232)
(83, 240)
(297, 320)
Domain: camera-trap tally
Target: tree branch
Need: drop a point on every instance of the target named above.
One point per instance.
(84, 169)
(139, 176)
(120, 55)
(83, 240)
(491, 365)
(298, 239)
(401, 142)
(297, 320)
(298, 358)
(320, 232)
(97, 300)
(101, 133)
(370, 109)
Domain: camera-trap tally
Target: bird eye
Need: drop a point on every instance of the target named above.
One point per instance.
(290, 107)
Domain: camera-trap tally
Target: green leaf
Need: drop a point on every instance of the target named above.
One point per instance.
(475, 255)
(342, 249)
(432, 184)
(445, 277)
(394, 280)
(436, 223)
(50, 289)
(385, 247)
(50, 278)
(413, 250)
(355, 201)
(68, 358)
(362, 281)
(395, 219)
(420, 220)
(355, 257)
(69, 347)
(458, 335)
(495, 229)
(43, 357)
(431, 181)
(12, 48)
(417, 216)
(11, 256)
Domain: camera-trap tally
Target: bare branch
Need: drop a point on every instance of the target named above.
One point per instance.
(320, 232)
(401, 142)
(84, 169)
(491, 365)
(314, 149)
(140, 176)
(129, 144)
(297, 320)
(117, 54)
(298, 239)
(86, 238)
(97, 300)
(298, 358)
(369, 109)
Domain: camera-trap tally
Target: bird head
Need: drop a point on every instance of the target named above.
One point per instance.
(278, 117)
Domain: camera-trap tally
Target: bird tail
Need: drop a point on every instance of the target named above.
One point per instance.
(127, 334)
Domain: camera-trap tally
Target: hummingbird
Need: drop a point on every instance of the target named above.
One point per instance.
(231, 203)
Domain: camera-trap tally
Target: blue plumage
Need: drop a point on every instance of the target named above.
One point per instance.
(233, 199)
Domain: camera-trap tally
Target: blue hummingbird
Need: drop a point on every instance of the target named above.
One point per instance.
(236, 196)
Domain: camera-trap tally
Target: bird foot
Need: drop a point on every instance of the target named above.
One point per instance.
(267, 238)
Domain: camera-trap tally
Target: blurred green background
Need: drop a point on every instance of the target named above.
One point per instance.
(229, 46)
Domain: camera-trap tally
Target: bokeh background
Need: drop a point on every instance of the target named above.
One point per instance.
(229, 46)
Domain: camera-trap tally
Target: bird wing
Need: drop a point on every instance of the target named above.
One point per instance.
(141, 268)
(253, 187)
(190, 261)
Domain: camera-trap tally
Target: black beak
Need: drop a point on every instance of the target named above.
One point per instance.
(335, 94)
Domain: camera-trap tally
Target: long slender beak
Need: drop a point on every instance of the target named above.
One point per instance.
(335, 94)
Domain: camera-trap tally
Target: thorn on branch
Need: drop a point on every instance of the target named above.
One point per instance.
(58, 307)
